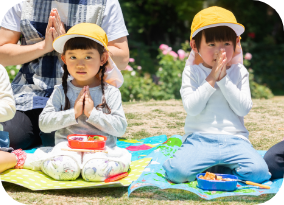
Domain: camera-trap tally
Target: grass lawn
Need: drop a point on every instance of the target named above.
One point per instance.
(265, 123)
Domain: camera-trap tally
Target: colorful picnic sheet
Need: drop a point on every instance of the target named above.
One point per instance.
(36, 180)
(154, 175)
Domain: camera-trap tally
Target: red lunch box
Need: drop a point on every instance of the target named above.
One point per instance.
(93, 145)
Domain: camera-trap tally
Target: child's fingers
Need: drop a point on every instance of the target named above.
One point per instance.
(82, 98)
(82, 91)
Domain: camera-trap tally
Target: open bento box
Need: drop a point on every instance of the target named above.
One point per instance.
(83, 141)
(217, 185)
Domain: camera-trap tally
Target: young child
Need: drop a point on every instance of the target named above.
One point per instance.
(83, 105)
(216, 97)
(7, 105)
(7, 112)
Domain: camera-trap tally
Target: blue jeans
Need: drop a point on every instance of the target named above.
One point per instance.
(4, 139)
(198, 153)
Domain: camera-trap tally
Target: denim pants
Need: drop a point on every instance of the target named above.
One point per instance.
(200, 152)
(4, 139)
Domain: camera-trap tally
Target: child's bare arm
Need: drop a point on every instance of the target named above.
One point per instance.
(7, 161)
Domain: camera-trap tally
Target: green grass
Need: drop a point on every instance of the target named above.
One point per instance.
(141, 134)
(135, 124)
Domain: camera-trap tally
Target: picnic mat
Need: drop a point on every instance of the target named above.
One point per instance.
(37, 180)
(154, 175)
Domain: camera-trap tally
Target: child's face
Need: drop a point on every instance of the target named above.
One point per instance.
(83, 65)
(207, 51)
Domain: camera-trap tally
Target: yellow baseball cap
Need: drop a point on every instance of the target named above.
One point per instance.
(92, 31)
(87, 30)
(212, 17)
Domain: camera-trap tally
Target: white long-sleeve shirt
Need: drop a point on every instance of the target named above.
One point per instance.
(7, 102)
(64, 123)
(218, 110)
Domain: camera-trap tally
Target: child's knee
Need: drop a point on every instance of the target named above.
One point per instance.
(176, 173)
(101, 169)
(62, 168)
(256, 172)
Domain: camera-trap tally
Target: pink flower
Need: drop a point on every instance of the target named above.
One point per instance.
(129, 68)
(174, 54)
(248, 56)
(163, 47)
(139, 67)
(181, 54)
(131, 60)
(165, 52)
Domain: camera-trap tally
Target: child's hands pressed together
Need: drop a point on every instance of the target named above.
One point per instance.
(223, 72)
(88, 103)
(219, 67)
(79, 103)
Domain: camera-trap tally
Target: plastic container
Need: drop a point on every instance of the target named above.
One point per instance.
(213, 185)
(92, 145)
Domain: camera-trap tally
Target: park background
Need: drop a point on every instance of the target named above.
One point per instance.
(154, 71)
(152, 74)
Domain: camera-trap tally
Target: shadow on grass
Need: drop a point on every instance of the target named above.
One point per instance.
(146, 193)
(156, 193)
(115, 192)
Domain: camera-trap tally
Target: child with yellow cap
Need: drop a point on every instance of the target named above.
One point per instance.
(85, 103)
(216, 96)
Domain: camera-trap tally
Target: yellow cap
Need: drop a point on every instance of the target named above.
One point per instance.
(212, 17)
(87, 30)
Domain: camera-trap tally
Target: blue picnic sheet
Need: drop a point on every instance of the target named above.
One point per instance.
(154, 175)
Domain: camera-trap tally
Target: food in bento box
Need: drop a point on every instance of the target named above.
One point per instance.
(78, 138)
(94, 138)
(212, 176)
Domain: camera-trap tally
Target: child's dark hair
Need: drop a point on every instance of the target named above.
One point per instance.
(219, 33)
(84, 44)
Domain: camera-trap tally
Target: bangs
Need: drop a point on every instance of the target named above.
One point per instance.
(82, 44)
(218, 34)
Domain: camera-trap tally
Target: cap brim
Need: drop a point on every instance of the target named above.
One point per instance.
(238, 28)
(59, 42)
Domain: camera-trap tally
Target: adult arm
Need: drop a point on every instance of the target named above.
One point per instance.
(7, 102)
(115, 123)
(237, 95)
(13, 54)
(119, 52)
(194, 95)
(114, 26)
(52, 117)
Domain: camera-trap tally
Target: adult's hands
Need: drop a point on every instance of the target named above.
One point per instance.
(54, 29)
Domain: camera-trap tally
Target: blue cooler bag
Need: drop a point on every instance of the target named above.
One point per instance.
(4, 139)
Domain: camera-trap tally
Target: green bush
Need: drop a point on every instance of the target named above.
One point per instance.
(139, 87)
(257, 91)
(12, 71)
